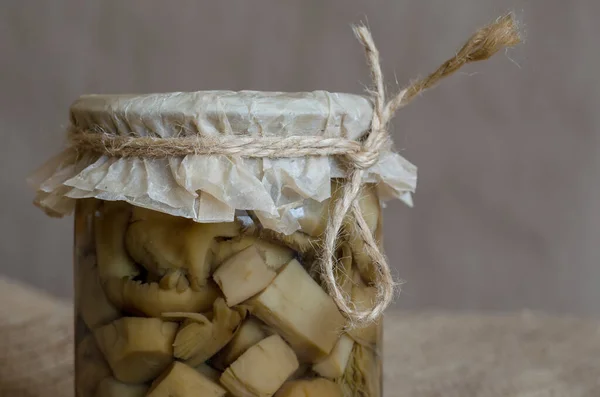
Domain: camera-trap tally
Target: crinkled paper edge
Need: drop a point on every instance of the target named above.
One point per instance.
(209, 188)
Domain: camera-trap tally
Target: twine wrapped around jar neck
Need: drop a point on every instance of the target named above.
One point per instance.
(358, 155)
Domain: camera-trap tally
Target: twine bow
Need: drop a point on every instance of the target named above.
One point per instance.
(482, 45)
(359, 156)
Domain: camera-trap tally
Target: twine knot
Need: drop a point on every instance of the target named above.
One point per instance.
(363, 160)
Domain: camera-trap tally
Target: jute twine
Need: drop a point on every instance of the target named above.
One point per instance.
(359, 156)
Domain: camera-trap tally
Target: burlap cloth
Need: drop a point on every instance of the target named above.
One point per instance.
(447, 355)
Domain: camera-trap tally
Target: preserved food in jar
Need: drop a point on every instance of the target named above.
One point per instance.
(169, 306)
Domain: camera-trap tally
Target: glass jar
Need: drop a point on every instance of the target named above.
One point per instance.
(199, 274)
(166, 306)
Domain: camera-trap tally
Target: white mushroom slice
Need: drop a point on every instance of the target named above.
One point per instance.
(110, 387)
(110, 227)
(163, 245)
(197, 341)
(151, 300)
(274, 255)
(334, 365)
(301, 311)
(137, 349)
(243, 275)
(261, 370)
(318, 387)
(250, 333)
(91, 301)
(181, 380)
(90, 367)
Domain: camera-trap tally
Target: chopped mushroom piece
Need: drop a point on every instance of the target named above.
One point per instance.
(151, 300)
(110, 387)
(297, 241)
(92, 303)
(334, 365)
(110, 227)
(193, 335)
(301, 311)
(181, 380)
(197, 341)
(261, 370)
(243, 275)
(163, 245)
(90, 367)
(250, 333)
(318, 387)
(274, 255)
(137, 349)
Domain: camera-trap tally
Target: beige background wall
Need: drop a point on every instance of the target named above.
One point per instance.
(507, 213)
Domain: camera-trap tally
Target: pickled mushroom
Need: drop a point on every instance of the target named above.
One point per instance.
(318, 387)
(174, 279)
(243, 275)
(110, 387)
(297, 241)
(110, 227)
(181, 380)
(334, 365)
(197, 341)
(261, 370)
(92, 304)
(363, 373)
(137, 349)
(301, 311)
(90, 367)
(274, 255)
(250, 333)
(193, 334)
(151, 300)
(165, 244)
